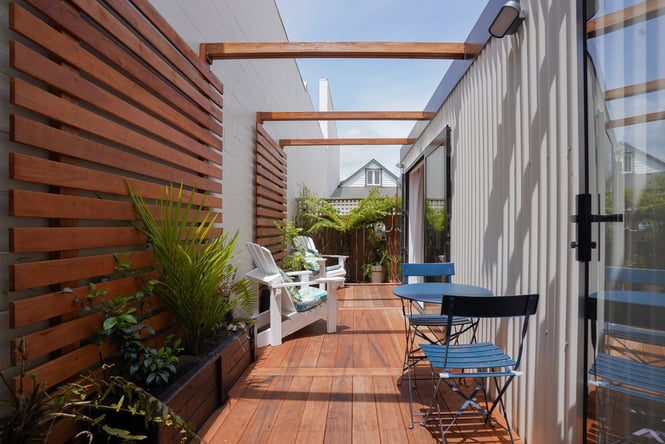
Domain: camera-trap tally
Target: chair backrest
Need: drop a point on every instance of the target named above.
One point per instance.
(523, 305)
(262, 258)
(304, 243)
(411, 269)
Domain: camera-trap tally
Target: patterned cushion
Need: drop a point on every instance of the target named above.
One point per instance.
(304, 298)
(310, 261)
(309, 297)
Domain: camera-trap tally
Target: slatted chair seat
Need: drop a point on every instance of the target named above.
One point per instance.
(425, 325)
(293, 304)
(628, 376)
(484, 361)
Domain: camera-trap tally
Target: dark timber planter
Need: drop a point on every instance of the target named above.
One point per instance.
(199, 392)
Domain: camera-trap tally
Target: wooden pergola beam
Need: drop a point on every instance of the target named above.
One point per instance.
(365, 50)
(347, 141)
(343, 115)
(635, 89)
(623, 18)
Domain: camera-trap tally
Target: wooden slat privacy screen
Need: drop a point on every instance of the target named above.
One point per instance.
(271, 202)
(105, 93)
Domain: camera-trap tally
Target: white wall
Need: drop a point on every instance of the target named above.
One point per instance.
(515, 141)
(251, 86)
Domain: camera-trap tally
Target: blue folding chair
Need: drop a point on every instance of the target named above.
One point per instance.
(427, 326)
(483, 361)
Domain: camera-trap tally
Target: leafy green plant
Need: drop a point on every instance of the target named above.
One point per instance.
(146, 366)
(88, 402)
(197, 282)
(294, 259)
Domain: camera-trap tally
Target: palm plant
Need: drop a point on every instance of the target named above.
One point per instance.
(197, 281)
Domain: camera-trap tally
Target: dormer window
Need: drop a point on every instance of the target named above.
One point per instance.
(373, 177)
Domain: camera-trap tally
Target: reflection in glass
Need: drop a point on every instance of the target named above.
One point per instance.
(436, 230)
(626, 92)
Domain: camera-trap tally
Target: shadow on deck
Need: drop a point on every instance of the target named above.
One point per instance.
(338, 388)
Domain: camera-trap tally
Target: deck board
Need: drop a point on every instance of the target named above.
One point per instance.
(337, 388)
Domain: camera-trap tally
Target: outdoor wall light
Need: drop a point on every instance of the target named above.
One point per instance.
(508, 19)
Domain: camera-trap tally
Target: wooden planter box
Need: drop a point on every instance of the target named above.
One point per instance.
(204, 388)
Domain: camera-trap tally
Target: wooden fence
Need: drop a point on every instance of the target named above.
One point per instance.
(105, 93)
(355, 244)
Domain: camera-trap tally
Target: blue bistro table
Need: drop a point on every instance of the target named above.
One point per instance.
(428, 292)
(432, 292)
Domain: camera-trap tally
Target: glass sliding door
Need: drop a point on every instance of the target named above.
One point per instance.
(625, 302)
(437, 205)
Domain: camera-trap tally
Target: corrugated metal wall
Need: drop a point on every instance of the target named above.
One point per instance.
(516, 142)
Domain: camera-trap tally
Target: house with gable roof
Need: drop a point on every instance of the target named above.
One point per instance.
(357, 186)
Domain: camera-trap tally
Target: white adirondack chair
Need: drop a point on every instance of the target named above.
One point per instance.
(293, 305)
(307, 246)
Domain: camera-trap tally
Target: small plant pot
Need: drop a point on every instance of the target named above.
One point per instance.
(378, 274)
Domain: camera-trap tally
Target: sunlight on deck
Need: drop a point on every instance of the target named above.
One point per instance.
(338, 388)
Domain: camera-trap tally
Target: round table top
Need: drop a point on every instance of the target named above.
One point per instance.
(434, 291)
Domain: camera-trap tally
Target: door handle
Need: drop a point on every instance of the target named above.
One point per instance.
(584, 219)
(607, 217)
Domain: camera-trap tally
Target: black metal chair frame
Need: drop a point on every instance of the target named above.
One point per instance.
(482, 361)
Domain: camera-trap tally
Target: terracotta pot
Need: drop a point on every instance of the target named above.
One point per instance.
(377, 274)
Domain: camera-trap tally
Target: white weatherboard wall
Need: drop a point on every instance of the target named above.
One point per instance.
(515, 163)
(251, 86)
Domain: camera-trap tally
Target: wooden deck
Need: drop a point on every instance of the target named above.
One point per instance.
(337, 388)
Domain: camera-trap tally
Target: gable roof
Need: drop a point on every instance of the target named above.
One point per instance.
(354, 187)
(372, 164)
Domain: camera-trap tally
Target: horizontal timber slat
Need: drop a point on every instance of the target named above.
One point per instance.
(42, 136)
(30, 240)
(62, 335)
(192, 86)
(262, 212)
(275, 203)
(68, 81)
(42, 273)
(111, 97)
(35, 204)
(265, 147)
(47, 172)
(86, 32)
(268, 180)
(265, 177)
(172, 36)
(40, 308)
(34, 99)
(64, 367)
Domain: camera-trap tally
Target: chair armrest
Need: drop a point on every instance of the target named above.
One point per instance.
(299, 273)
(338, 256)
(328, 279)
(258, 275)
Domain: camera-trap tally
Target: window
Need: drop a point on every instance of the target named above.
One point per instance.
(373, 178)
(628, 162)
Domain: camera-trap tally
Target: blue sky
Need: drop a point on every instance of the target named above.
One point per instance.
(383, 85)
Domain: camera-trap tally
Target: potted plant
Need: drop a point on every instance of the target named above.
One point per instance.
(31, 413)
(197, 284)
(319, 214)
(378, 257)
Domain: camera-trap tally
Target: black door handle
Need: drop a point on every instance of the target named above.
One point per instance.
(584, 219)
(607, 218)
